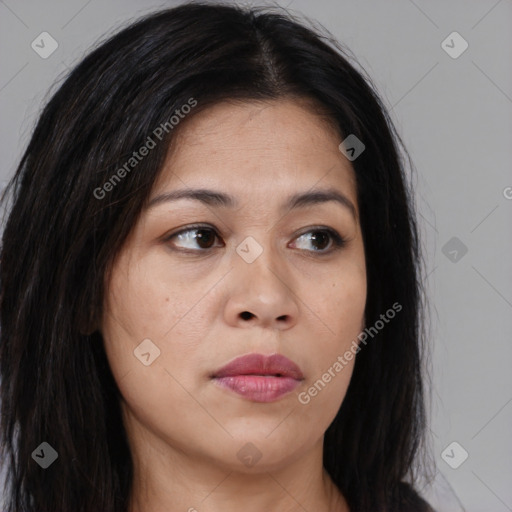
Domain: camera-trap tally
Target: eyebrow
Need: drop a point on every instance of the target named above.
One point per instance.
(220, 199)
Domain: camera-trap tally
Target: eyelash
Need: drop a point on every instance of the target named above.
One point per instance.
(337, 241)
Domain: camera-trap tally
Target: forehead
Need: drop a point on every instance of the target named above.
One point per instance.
(253, 149)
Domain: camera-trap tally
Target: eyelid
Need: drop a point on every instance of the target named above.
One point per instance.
(189, 227)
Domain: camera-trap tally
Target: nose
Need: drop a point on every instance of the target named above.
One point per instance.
(262, 294)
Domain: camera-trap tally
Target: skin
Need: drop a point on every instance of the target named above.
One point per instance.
(184, 430)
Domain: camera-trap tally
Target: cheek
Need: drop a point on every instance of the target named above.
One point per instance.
(339, 304)
(153, 302)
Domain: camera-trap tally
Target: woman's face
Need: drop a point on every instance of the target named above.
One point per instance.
(261, 275)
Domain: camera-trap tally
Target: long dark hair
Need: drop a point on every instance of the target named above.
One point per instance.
(61, 237)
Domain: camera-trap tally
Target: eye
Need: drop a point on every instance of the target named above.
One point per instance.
(200, 238)
(194, 238)
(320, 238)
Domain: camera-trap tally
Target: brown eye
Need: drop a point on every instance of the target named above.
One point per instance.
(194, 238)
(205, 238)
(322, 240)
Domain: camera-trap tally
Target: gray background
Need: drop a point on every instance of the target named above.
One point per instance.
(454, 115)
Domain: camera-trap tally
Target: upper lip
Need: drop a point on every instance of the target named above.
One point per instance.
(259, 364)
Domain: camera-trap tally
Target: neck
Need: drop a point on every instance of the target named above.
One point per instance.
(170, 479)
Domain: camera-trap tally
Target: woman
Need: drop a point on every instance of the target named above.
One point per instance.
(210, 280)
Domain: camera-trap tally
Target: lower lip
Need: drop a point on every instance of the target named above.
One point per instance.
(259, 388)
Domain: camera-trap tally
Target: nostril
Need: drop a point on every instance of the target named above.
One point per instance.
(246, 315)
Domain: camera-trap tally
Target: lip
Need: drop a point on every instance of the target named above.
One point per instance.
(260, 378)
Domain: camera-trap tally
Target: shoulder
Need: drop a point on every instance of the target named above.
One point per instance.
(408, 500)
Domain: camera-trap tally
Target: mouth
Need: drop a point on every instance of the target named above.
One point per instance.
(259, 378)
